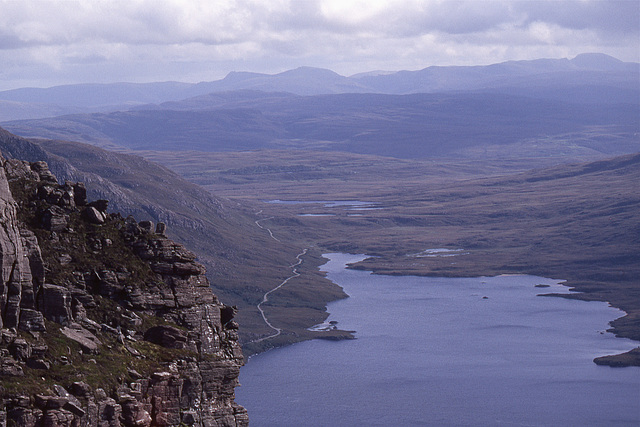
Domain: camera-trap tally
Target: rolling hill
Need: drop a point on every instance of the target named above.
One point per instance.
(401, 126)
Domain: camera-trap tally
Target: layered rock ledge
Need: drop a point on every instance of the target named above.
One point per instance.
(105, 321)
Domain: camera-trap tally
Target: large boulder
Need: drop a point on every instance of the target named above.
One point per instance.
(42, 169)
(93, 215)
(55, 218)
(89, 342)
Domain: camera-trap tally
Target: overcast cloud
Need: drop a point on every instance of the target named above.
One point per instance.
(44, 43)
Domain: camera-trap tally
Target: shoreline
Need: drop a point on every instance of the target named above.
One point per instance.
(517, 337)
(626, 359)
(622, 327)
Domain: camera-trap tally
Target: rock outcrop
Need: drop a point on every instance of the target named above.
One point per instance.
(104, 321)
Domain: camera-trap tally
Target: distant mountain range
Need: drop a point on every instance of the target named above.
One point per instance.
(589, 77)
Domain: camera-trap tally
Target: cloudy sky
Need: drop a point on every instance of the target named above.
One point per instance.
(48, 42)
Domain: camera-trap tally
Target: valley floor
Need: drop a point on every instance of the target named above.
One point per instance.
(576, 222)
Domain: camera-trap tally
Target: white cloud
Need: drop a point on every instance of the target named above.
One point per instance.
(353, 12)
(65, 39)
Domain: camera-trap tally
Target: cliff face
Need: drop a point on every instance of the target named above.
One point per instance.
(105, 321)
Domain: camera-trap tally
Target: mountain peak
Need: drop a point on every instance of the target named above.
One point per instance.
(238, 76)
(596, 61)
(311, 72)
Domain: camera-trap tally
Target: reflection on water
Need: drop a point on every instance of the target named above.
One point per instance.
(325, 203)
(434, 351)
(352, 205)
(438, 252)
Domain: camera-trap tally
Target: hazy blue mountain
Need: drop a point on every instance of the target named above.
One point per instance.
(538, 78)
(600, 61)
(16, 110)
(99, 95)
(591, 77)
(69, 99)
(301, 81)
(586, 105)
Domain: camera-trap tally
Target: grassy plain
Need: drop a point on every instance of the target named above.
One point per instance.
(576, 222)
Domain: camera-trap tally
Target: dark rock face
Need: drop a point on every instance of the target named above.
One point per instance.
(55, 303)
(166, 336)
(81, 287)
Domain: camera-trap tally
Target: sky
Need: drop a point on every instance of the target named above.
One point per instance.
(47, 42)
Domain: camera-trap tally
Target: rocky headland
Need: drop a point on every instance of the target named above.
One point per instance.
(104, 320)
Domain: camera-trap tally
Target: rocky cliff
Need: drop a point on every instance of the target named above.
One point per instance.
(104, 320)
(222, 232)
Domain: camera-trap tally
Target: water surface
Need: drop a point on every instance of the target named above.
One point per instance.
(435, 351)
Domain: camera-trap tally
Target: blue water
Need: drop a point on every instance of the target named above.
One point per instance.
(435, 351)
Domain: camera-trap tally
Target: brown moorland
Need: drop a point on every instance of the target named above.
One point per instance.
(578, 222)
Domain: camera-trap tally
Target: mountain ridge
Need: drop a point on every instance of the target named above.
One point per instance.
(314, 81)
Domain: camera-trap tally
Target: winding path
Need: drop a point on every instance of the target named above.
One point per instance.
(265, 298)
(265, 228)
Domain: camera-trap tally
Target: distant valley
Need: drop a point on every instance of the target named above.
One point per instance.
(529, 167)
(552, 221)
